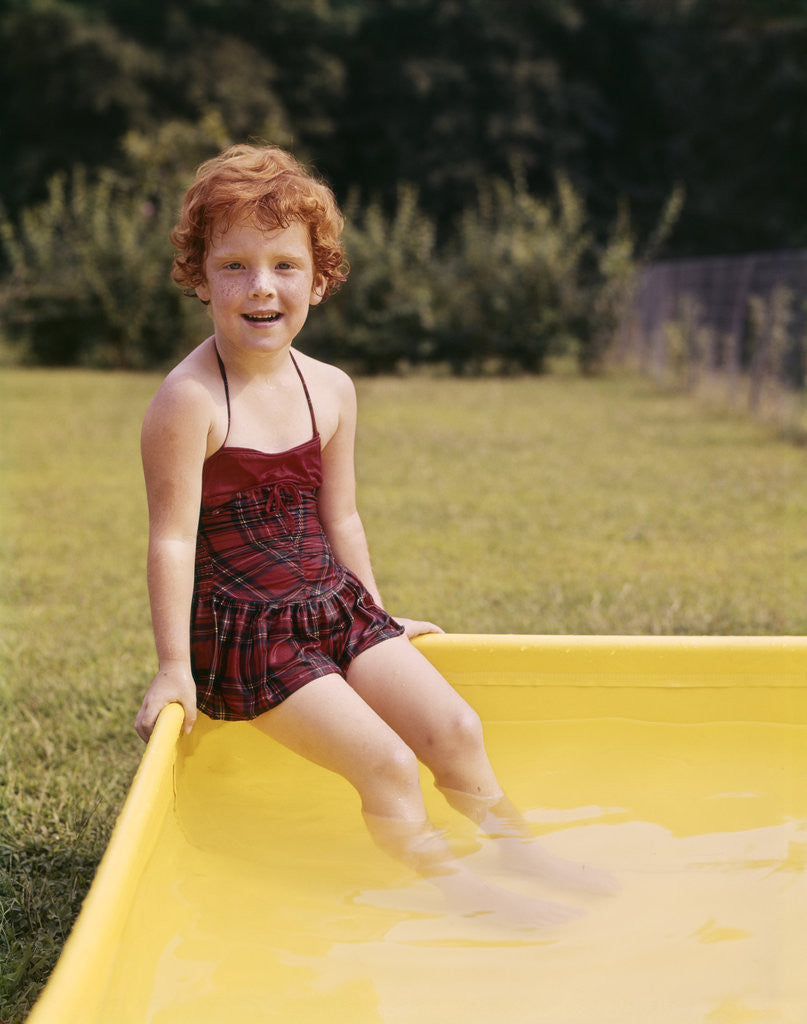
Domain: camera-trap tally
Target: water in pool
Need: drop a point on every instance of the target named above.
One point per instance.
(279, 908)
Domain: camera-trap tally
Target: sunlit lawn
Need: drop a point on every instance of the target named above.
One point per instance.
(580, 506)
(553, 505)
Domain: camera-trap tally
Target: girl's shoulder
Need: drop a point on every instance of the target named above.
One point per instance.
(192, 393)
(329, 386)
(321, 374)
(332, 394)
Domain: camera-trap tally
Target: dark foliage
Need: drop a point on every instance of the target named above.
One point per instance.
(625, 100)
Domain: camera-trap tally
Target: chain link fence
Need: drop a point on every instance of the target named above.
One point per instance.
(742, 318)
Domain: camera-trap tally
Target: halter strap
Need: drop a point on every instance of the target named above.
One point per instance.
(307, 396)
(223, 373)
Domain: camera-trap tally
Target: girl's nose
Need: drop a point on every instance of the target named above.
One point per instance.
(262, 284)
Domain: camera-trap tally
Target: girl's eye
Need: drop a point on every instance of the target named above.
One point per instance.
(235, 265)
(285, 266)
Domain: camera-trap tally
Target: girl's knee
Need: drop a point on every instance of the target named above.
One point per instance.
(400, 764)
(458, 758)
(391, 768)
(463, 733)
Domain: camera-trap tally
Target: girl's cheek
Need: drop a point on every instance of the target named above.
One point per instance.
(228, 292)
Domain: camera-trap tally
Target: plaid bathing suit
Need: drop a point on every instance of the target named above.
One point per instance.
(272, 608)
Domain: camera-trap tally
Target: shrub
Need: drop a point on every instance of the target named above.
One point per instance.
(618, 263)
(510, 285)
(88, 279)
(384, 318)
(87, 267)
(520, 278)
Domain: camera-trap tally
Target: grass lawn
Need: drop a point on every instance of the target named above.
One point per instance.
(552, 505)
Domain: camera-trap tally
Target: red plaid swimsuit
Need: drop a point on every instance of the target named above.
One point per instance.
(272, 607)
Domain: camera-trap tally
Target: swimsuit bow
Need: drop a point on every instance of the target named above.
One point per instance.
(283, 498)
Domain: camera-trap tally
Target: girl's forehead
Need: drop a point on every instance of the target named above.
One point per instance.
(250, 233)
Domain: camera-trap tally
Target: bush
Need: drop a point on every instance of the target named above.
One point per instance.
(88, 280)
(511, 285)
(613, 292)
(384, 318)
(521, 277)
(87, 272)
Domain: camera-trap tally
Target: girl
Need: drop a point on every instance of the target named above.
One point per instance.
(263, 600)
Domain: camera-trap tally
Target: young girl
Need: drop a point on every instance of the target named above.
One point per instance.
(263, 599)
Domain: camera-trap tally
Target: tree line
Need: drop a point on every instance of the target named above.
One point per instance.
(455, 124)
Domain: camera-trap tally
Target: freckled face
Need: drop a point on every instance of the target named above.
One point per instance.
(260, 285)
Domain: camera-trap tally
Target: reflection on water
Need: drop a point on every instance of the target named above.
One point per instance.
(279, 907)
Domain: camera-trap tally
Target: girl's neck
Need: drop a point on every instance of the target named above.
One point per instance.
(258, 367)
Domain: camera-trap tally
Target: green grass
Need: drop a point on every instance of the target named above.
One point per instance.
(564, 505)
(75, 649)
(553, 505)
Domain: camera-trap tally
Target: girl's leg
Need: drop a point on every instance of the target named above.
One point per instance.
(328, 723)
(405, 689)
(408, 693)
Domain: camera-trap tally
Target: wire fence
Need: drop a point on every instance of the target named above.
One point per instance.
(743, 318)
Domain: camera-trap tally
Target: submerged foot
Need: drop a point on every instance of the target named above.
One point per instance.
(470, 896)
(527, 856)
(519, 851)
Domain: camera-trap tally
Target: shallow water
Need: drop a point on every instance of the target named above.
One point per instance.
(268, 902)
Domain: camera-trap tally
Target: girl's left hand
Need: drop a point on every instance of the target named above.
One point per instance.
(415, 628)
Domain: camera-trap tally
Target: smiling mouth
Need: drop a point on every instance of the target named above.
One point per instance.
(261, 318)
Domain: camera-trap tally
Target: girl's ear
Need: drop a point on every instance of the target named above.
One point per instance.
(203, 292)
(317, 290)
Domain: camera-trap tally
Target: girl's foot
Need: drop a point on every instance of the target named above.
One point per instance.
(527, 856)
(519, 850)
(470, 896)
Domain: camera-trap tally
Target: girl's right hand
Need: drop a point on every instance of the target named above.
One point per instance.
(415, 627)
(171, 685)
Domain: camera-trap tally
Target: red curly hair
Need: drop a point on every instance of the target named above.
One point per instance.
(268, 187)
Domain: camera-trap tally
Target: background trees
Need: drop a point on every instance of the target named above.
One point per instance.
(437, 100)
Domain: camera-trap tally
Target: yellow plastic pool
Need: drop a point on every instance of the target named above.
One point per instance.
(240, 885)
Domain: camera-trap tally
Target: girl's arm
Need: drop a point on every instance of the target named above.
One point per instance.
(338, 511)
(173, 445)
